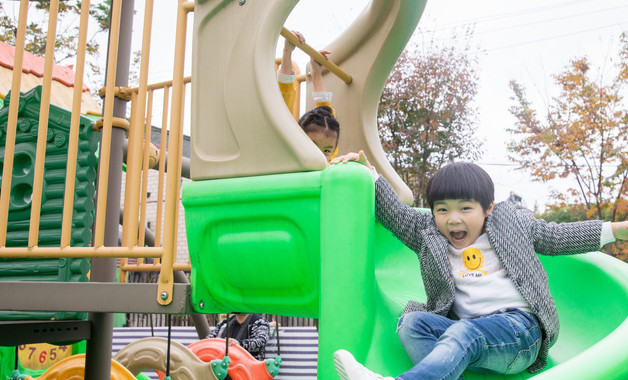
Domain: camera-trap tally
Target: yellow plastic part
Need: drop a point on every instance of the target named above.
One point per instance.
(42, 355)
(73, 368)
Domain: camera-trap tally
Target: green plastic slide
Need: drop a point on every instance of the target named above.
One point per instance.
(591, 293)
(307, 244)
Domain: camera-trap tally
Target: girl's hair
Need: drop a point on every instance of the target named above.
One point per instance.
(320, 118)
(461, 180)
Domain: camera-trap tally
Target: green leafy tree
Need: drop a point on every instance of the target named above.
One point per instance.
(426, 116)
(560, 213)
(583, 137)
(67, 32)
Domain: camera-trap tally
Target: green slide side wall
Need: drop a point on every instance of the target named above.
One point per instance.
(307, 244)
(263, 241)
(52, 269)
(265, 244)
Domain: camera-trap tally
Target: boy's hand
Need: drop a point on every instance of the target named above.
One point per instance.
(286, 60)
(299, 36)
(324, 53)
(233, 342)
(620, 230)
(288, 46)
(355, 157)
(317, 73)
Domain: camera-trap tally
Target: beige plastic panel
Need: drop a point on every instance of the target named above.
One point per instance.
(240, 125)
(151, 353)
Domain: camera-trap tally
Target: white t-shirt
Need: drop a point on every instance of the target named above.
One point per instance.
(482, 284)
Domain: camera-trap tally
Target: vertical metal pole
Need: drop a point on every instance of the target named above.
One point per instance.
(98, 360)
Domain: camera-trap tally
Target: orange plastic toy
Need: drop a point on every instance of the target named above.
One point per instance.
(243, 365)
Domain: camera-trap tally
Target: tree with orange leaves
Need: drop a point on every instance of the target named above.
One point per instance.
(583, 137)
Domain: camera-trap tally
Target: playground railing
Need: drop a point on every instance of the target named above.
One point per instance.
(141, 155)
(153, 159)
(138, 127)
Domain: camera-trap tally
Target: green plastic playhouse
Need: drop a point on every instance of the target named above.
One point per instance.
(48, 269)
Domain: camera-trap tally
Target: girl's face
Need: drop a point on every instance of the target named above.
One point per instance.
(326, 142)
(460, 220)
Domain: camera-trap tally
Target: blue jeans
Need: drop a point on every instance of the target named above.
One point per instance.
(506, 341)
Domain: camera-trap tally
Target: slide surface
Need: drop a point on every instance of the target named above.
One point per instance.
(591, 294)
(306, 244)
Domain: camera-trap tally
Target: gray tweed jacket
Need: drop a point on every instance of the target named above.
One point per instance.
(515, 234)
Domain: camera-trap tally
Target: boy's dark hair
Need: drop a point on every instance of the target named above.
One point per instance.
(320, 118)
(461, 180)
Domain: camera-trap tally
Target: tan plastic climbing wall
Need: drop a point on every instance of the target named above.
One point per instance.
(248, 132)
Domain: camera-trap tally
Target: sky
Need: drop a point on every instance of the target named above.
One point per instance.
(524, 41)
(528, 41)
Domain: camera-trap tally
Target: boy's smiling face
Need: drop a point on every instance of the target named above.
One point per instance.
(460, 220)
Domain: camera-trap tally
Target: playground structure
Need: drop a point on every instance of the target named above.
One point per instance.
(262, 197)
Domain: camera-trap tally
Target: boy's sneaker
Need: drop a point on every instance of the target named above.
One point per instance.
(349, 369)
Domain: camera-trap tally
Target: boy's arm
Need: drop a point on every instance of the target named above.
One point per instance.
(289, 94)
(577, 237)
(213, 333)
(259, 336)
(285, 67)
(317, 73)
(620, 230)
(564, 238)
(321, 96)
(403, 221)
(286, 75)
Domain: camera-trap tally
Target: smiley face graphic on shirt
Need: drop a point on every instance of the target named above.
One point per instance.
(473, 260)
